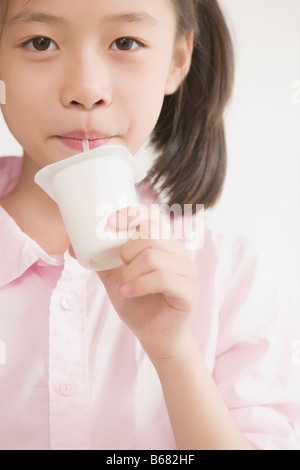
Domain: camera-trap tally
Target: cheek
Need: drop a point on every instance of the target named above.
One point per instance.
(148, 102)
(144, 99)
(23, 110)
(144, 111)
(22, 95)
(25, 98)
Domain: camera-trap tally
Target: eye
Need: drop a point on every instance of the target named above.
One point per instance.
(40, 44)
(127, 44)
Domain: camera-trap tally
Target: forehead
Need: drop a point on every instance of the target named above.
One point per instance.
(22, 8)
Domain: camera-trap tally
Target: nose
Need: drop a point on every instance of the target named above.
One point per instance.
(86, 82)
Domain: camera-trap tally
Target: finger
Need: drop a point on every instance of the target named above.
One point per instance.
(148, 229)
(147, 220)
(150, 260)
(179, 292)
(135, 246)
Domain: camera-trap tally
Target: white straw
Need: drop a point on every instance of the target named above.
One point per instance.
(85, 145)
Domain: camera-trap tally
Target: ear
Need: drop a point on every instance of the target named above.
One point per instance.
(181, 63)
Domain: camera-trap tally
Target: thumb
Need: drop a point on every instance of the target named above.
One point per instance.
(109, 277)
(111, 280)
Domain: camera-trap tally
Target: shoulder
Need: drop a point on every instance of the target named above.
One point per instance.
(225, 254)
(10, 169)
(236, 280)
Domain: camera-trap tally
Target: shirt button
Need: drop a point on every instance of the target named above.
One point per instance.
(66, 303)
(68, 388)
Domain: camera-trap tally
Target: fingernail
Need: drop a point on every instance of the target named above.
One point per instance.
(125, 290)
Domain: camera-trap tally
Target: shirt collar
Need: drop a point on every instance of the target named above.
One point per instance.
(18, 251)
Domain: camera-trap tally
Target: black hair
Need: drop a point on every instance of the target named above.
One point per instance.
(189, 136)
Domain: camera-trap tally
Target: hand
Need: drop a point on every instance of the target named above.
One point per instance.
(156, 291)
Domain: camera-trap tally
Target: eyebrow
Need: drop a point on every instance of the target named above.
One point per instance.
(139, 17)
(133, 17)
(26, 17)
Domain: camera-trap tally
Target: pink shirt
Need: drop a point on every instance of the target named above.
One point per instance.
(72, 376)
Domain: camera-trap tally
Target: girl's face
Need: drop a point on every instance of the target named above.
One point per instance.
(96, 69)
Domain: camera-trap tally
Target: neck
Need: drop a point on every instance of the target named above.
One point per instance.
(35, 212)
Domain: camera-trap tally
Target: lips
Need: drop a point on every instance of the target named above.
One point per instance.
(74, 139)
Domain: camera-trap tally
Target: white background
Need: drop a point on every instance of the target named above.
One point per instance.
(262, 192)
(261, 197)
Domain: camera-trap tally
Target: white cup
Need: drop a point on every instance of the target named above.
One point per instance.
(88, 187)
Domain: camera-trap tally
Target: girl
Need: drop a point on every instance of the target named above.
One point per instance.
(175, 349)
